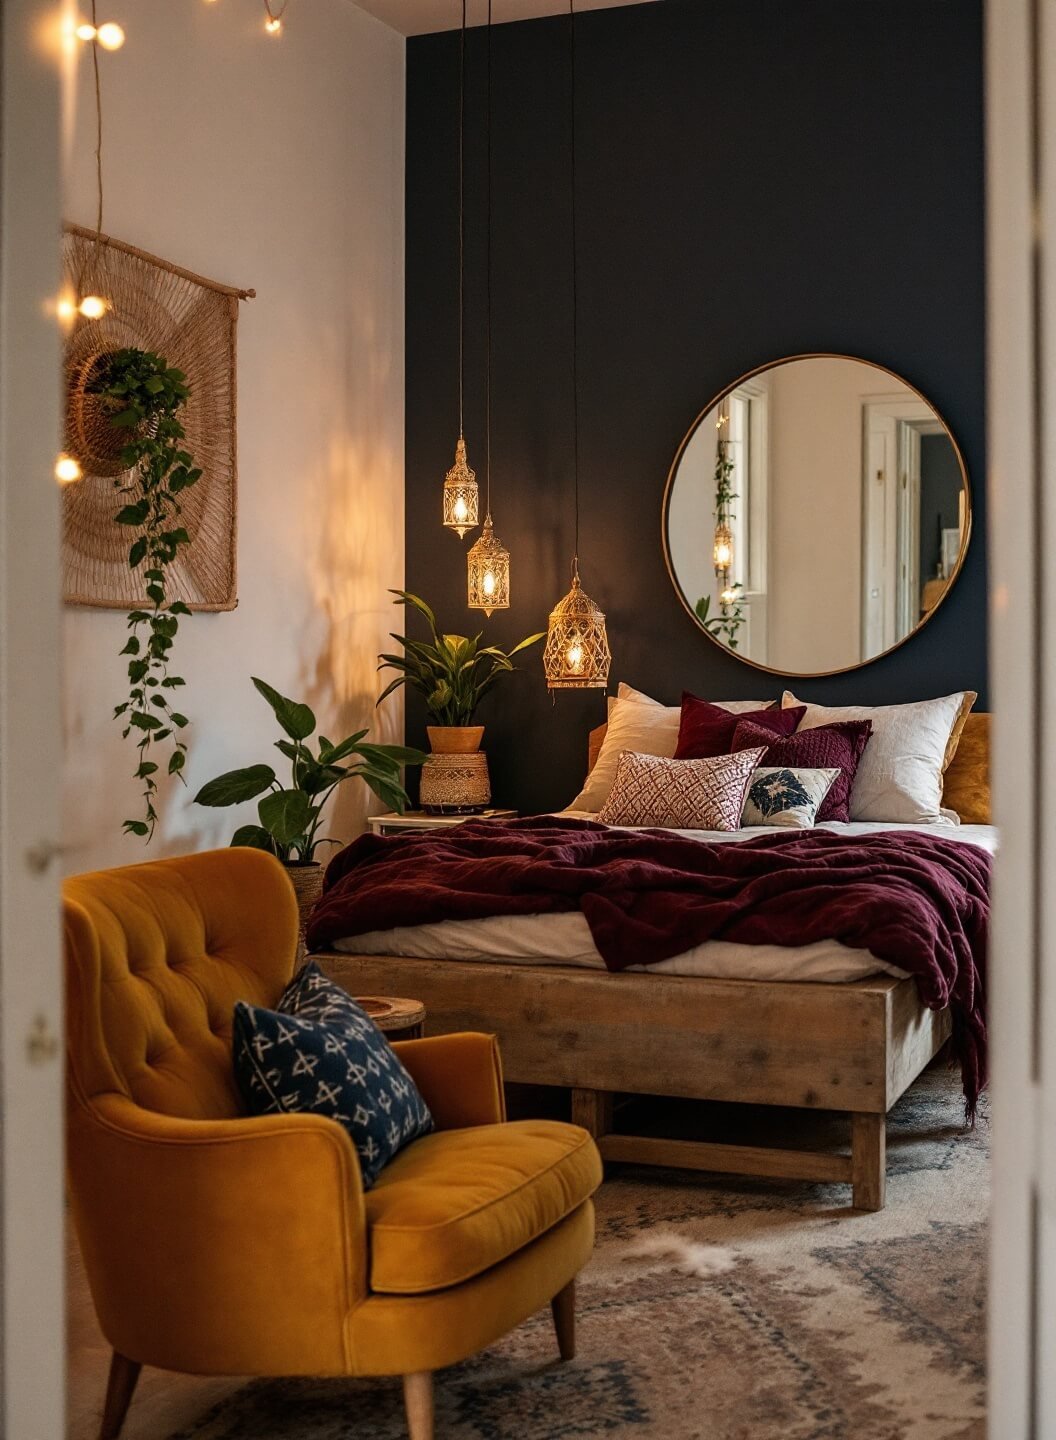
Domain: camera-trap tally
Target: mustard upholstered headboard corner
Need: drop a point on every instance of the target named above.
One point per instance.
(966, 788)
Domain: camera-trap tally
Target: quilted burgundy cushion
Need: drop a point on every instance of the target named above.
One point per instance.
(705, 729)
(680, 794)
(824, 747)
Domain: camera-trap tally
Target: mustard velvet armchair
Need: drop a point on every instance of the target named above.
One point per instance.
(220, 1244)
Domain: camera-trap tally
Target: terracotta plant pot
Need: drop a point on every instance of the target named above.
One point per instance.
(307, 880)
(454, 739)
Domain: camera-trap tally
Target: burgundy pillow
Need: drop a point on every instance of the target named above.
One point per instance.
(706, 730)
(820, 748)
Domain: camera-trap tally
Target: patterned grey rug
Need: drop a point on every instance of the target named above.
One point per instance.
(718, 1309)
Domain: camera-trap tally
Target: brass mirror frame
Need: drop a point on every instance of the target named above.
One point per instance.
(673, 471)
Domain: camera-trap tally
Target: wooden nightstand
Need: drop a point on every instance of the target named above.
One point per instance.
(418, 820)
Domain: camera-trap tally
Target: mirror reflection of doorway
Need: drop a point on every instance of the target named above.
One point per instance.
(912, 491)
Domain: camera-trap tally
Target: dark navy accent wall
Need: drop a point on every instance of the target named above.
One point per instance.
(757, 179)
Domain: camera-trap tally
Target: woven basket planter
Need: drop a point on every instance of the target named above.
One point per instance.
(307, 881)
(455, 779)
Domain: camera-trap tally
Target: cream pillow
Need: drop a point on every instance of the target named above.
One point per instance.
(640, 723)
(899, 777)
(735, 707)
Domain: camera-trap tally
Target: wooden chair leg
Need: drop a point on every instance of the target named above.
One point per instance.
(418, 1402)
(124, 1374)
(868, 1160)
(563, 1309)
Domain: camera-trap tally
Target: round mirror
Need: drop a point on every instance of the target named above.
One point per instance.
(816, 515)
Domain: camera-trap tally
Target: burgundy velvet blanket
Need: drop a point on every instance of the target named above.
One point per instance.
(918, 900)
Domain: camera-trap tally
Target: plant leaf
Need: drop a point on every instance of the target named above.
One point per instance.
(255, 837)
(235, 786)
(297, 720)
(286, 814)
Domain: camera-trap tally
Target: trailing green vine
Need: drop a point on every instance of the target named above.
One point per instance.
(143, 393)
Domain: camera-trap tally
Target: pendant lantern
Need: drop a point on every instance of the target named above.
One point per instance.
(576, 655)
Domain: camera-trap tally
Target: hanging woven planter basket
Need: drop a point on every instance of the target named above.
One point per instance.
(160, 308)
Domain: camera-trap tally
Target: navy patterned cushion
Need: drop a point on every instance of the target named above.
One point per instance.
(319, 1053)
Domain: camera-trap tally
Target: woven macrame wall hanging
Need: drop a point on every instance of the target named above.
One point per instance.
(192, 322)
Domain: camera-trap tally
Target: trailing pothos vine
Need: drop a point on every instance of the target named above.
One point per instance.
(143, 394)
(726, 625)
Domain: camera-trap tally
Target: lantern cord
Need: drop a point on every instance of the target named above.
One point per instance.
(461, 220)
(487, 507)
(575, 282)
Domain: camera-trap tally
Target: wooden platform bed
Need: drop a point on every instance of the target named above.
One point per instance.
(853, 1047)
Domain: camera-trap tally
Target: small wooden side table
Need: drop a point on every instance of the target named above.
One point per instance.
(395, 1017)
(412, 820)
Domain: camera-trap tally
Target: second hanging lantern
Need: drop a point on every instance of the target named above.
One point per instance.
(488, 561)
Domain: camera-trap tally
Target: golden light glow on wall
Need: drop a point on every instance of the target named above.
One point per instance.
(67, 470)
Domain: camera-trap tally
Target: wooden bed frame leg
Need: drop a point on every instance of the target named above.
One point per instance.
(868, 1160)
(593, 1110)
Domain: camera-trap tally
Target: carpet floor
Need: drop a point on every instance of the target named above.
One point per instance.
(718, 1309)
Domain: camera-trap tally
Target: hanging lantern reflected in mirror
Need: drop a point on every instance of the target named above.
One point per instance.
(722, 550)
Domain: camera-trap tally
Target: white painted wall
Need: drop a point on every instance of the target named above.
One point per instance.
(276, 164)
(816, 510)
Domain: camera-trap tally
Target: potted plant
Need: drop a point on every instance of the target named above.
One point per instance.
(452, 673)
(290, 815)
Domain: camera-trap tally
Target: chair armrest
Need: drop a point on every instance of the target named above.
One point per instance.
(460, 1077)
(224, 1247)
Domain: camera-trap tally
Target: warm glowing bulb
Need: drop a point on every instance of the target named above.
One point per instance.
(489, 582)
(575, 657)
(65, 309)
(728, 596)
(110, 36)
(66, 469)
(93, 307)
(723, 554)
(273, 25)
(461, 510)
(85, 31)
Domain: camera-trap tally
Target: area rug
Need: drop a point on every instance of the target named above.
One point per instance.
(718, 1309)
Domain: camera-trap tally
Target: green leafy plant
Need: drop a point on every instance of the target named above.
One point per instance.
(727, 623)
(452, 672)
(142, 393)
(290, 815)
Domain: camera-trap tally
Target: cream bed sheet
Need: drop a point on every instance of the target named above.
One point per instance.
(565, 939)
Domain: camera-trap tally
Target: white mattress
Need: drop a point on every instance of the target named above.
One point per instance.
(565, 939)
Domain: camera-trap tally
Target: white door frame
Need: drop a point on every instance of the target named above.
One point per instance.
(1021, 367)
(32, 1251)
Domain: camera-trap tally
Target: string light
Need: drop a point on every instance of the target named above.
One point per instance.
(67, 469)
(273, 22)
(93, 307)
(109, 35)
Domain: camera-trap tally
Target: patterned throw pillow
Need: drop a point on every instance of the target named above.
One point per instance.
(319, 1053)
(680, 794)
(789, 798)
(705, 729)
(825, 747)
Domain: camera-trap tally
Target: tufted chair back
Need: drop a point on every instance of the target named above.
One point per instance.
(156, 956)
